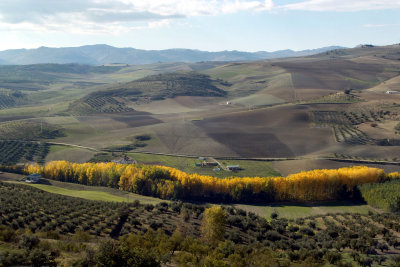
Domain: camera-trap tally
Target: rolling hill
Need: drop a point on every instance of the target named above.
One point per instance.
(105, 54)
(282, 108)
(150, 88)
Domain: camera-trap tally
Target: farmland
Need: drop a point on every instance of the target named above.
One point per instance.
(299, 113)
(323, 112)
(249, 168)
(156, 87)
(70, 226)
(220, 159)
(12, 152)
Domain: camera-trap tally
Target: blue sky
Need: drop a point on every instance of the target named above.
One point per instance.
(214, 25)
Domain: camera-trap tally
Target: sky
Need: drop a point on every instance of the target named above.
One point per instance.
(213, 25)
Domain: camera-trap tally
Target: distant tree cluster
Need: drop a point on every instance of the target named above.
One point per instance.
(382, 195)
(170, 183)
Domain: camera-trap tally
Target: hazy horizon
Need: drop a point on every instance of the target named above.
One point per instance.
(173, 48)
(208, 25)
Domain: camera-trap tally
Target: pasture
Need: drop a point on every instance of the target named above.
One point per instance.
(82, 191)
(249, 168)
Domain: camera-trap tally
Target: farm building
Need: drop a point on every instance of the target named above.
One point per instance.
(33, 178)
(233, 167)
(392, 92)
(124, 160)
(210, 163)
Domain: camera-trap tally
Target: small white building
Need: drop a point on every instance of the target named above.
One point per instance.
(392, 92)
(33, 178)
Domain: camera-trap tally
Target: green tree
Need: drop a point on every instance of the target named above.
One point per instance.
(109, 254)
(213, 224)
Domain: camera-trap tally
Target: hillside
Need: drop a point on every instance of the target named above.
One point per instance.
(326, 110)
(105, 54)
(151, 88)
(386, 52)
(45, 229)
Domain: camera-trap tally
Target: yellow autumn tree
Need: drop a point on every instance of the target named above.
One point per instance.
(167, 182)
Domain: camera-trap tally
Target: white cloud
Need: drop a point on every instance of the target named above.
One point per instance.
(99, 16)
(233, 7)
(119, 16)
(159, 23)
(343, 5)
(378, 25)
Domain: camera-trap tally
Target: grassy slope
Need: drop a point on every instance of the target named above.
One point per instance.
(90, 195)
(96, 193)
(83, 191)
(74, 154)
(250, 168)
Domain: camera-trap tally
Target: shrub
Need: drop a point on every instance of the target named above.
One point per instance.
(28, 241)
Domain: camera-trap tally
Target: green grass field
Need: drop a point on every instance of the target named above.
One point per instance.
(92, 192)
(75, 154)
(250, 168)
(361, 82)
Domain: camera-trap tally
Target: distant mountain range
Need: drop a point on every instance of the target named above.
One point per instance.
(105, 54)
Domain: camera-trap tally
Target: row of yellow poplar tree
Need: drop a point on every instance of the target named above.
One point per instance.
(170, 183)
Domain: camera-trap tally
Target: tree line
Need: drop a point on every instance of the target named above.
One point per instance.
(170, 183)
(385, 196)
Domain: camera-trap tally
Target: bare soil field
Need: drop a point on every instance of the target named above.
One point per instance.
(392, 84)
(382, 130)
(136, 120)
(171, 106)
(272, 132)
(185, 137)
(332, 74)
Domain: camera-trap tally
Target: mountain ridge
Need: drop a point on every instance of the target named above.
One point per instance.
(101, 54)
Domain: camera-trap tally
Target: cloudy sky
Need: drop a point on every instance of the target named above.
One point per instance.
(214, 25)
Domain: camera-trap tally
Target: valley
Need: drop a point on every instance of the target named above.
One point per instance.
(148, 152)
(271, 109)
